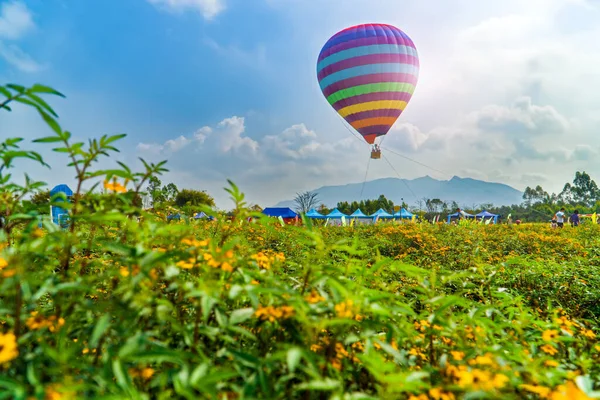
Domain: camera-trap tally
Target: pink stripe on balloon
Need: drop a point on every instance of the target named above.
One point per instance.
(384, 58)
(369, 41)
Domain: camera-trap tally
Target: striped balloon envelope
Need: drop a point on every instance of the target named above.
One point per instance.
(368, 74)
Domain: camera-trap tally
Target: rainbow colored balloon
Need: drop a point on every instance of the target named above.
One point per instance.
(368, 73)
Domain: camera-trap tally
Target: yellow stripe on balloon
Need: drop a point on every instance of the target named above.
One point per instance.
(373, 105)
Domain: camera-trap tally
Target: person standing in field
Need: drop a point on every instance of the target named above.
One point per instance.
(461, 214)
(560, 218)
(575, 218)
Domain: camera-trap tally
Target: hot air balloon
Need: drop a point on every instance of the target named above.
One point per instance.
(368, 74)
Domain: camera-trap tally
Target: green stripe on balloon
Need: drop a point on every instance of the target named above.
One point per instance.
(371, 88)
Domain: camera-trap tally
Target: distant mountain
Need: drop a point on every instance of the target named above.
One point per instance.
(465, 191)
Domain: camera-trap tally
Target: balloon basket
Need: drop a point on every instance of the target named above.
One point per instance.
(376, 154)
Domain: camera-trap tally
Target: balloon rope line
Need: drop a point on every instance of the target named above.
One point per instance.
(351, 131)
(399, 177)
(415, 161)
(365, 180)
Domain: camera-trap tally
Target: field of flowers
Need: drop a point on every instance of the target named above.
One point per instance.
(123, 305)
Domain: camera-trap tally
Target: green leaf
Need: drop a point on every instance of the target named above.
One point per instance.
(51, 122)
(48, 139)
(293, 358)
(101, 327)
(326, 385)
(37, 88)
(241, 315)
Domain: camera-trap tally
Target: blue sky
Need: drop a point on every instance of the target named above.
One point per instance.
(227, 88)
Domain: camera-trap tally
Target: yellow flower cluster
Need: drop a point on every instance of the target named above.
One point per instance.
(266, 259)
(38, 321)
(476, 379)
(8, 347)
(434, 394)
(346, 309)
(274, 313)
(569, 391)
(115, 186)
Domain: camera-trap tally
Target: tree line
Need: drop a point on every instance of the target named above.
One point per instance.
(158, 197)
(582, 194)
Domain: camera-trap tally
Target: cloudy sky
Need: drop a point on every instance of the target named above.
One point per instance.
(224, 89)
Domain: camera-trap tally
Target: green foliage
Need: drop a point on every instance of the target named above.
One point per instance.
(122, 307)
(194, 199)
(367, 206)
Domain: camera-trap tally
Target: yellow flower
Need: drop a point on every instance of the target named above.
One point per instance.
(314, 297)
(274, 313)
(550, 335)
(550, 363)
(186, 264)
(588, 333)
(438, 394)
(457, 355)
(345, 309)
(570, 391)
(3, 263)
(114, 186)
(537, 389)
(549, 349)
(8, 347)
(483, 360)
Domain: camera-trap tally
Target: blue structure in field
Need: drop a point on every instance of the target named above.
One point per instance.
(59, 215)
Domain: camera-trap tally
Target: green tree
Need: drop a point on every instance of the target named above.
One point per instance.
(170, 192)
(585, 190)
(193, 200)
(154, 191)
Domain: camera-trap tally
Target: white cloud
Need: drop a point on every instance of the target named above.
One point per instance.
(16, 57)
(15, 22)
(208, 8)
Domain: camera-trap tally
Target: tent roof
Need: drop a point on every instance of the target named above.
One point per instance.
(382, 214)
(283, 212)
(199, 215)
(404, 213)
(456, 214)
(336, 214)
(312, 213)
(359, 213)
(62, 188)
(486, 214)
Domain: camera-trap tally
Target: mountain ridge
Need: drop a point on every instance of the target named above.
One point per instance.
(465, 191)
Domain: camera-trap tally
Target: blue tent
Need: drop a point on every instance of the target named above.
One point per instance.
(488, 215)
(199, 215)
(283, 212)
(174, 216)
(358, 214)
(381, 213)
(455, 215)
(312, 213)
(59, 215)
(403, 213)
(336, 214)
